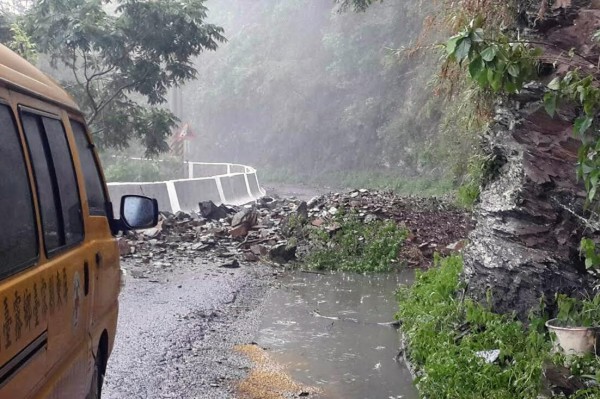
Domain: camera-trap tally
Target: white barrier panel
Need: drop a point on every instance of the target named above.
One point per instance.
(191, 191)
(232, 184)
(253, 186)
(235, 189)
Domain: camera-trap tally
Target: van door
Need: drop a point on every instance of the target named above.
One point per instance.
(105, 270)
(60, 279)
(23, 325)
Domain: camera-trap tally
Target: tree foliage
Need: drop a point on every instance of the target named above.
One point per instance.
(357, 5)
(305, 89)
(123, 56)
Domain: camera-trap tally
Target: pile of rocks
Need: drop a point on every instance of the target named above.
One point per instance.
(275, 229)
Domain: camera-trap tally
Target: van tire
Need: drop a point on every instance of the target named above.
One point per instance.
(98, 376)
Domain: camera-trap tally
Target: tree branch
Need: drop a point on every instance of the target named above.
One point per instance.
(87, 84)
(104, 103)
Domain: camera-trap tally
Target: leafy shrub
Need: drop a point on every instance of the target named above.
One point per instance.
(444, 334)
(127, 170)
(358, 246)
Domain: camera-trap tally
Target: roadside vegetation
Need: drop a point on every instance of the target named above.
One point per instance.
(357, 246)
(124, 169)
(423, 185)
(447, 336)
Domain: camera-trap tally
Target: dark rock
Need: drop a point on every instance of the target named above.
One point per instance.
(283, 252)
(239, 231)
(232, 264)
(302, 210)
(182, 215)
(209, 210)
(247, 217)
(251, 257)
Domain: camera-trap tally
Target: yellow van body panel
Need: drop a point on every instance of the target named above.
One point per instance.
(56, 313)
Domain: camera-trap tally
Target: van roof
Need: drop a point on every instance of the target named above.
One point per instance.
(19, 74)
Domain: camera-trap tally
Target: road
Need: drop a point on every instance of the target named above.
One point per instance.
(177, 330)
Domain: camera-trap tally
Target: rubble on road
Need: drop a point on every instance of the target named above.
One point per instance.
(275, 229)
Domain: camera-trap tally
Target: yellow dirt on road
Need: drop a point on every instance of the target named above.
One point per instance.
(267, 379)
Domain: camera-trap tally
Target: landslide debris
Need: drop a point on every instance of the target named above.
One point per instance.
(278, 230)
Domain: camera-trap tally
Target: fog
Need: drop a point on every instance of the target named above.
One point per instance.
(301, 89)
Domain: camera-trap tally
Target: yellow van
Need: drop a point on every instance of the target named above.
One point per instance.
(59, 261)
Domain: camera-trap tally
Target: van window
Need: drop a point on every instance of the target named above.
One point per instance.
(18, 237)
(55, 181)
(93, 183)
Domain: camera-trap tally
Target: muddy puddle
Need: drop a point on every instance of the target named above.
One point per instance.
(324, 330)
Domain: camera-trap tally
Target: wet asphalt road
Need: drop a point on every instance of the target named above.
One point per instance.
(177, 330)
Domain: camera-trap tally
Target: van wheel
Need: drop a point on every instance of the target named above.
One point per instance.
(98, 376)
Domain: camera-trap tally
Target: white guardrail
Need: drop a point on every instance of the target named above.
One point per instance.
(221, 183)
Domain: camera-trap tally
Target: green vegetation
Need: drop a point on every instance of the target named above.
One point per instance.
(445, 331)
(419, 185)
(127, 170)
(316, 91)
(119, 58)
(581, 313)
(357, 246)
(500, 63)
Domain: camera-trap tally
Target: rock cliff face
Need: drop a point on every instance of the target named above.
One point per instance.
(531, 216)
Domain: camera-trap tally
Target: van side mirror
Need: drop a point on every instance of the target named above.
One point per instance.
(138, 212)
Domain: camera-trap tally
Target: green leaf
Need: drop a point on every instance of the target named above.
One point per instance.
(550, 103)
(588, 108)
(592, 193)
(489, 53)
(582, 124)
(496, 82)
(482, 78)
(462, 49)
(451, 44)
(554, 84)
(475, 67)
(514, 70)
(510, 86)
(594, 177)
(477, 35)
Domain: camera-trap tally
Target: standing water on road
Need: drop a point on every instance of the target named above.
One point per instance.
(324, 329)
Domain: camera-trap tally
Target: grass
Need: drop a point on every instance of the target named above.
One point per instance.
(444, 334)
(378, 180)
(357, 246)
(151, 170)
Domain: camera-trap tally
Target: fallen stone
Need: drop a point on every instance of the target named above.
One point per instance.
(247, 217)
(457, 246)
(283, 252)
(200, 246)
(259, 250)
(250, 256)
(239, 231)
(124, 248)
(182, 215)
(232, 264)
(209, 210)
(302, 210)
